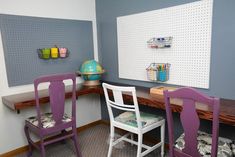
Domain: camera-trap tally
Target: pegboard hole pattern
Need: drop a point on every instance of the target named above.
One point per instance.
(190, 26)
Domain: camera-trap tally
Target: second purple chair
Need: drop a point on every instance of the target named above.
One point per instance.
(57, 121)
(190, 121)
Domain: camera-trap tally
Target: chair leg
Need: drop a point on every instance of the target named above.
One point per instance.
(26, 130)
(42, 148)
(140, 140)
(63, 132)
(162, 138)
(132, 138)
(76, 144)
(111, 140)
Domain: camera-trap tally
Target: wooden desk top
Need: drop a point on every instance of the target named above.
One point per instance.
(25, 100)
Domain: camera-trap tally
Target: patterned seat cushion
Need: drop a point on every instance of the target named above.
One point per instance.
(129, 118)
(47, 120)
(204, 145)
(233, 148)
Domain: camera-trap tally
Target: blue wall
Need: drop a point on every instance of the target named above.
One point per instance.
(23, 35)
(222, 75)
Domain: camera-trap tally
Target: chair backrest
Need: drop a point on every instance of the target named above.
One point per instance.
(57, 95)
(118, 103)
(190, 120)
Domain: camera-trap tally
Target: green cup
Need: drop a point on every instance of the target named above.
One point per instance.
(46, 53)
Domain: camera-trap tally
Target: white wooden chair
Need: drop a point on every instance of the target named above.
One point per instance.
(131, 120)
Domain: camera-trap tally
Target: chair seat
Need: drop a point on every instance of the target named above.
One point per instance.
(204, 145)
(129, 118)
(47, 120)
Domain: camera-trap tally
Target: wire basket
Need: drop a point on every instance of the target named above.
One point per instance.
(46, 53)
(158, 72)
(164, 42)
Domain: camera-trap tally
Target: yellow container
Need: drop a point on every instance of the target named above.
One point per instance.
(54, 52)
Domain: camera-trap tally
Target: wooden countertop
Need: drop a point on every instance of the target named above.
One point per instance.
(25, 100)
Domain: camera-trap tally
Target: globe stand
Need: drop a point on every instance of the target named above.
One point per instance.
(91, 83)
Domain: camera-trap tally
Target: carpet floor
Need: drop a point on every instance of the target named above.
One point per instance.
(93, 143)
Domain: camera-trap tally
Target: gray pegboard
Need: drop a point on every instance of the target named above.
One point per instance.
(23, 35)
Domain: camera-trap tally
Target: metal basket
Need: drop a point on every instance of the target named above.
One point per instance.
(158, 72)
(164, 42)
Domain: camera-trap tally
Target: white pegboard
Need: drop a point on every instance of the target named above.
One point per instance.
(190, 26)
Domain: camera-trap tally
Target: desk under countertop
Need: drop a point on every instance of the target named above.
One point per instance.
(21, 101)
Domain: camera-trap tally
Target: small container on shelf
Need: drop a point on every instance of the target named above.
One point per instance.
(158, 72)
(44, 53)
(63, 52)
(54, 52)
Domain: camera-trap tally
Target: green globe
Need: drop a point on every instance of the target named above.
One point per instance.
(91, 70)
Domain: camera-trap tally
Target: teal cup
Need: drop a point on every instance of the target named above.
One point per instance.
(162, 76)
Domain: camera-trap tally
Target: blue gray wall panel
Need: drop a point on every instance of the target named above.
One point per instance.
(222, 75)
(22, 36)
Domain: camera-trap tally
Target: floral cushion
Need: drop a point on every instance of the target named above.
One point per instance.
(47, 120)
(204, 145)
(129, 118)
(233, 148)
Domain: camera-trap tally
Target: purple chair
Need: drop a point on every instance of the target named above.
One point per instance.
(190, 122)
(57, 121)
